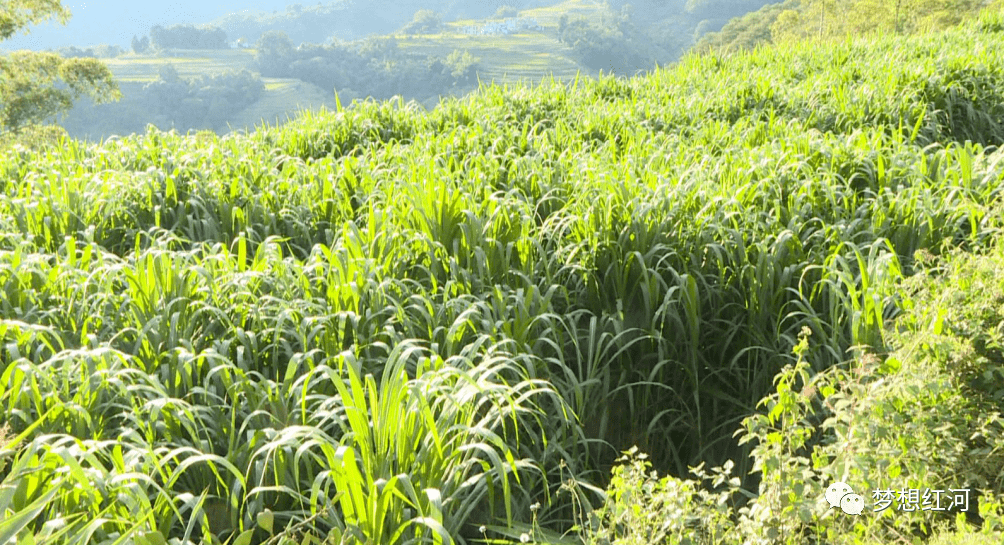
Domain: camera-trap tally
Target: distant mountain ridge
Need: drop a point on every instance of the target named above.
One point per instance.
(354, 19)
(115, 22)
(673, 25)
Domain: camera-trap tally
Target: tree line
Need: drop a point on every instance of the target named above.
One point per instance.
(825, 19)
(612, 44)
(181, 37)
(376, 65)
(205, 102)
(103, 51)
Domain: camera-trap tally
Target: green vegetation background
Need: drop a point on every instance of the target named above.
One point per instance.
(383, 324)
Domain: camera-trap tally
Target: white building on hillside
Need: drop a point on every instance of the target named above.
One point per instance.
(504, 27)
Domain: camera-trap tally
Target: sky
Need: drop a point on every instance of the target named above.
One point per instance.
(115, 22)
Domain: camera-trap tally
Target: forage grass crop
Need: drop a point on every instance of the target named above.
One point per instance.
(389, 325)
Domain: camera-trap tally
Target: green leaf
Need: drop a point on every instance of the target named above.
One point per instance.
(26, 538)
(939, 321)
(154, 538)
(13, 524)
(245, 537)
(265, 519)
(891, 365)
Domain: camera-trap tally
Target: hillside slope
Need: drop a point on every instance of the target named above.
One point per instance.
(525, 56)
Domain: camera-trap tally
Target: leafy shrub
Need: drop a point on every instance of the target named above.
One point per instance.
(425, 22)
(878, 423)
(642, 509)
(461, 64)
(202, 102)
(609, 46)
(34, 136)
(919, 418)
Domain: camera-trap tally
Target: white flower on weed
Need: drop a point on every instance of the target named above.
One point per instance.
(535, 507)
(482, 529)
(524, 538)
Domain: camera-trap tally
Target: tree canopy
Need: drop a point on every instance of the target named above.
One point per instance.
(808, 19)
(829, 18)
(15, 15)
(36, 86)
(188, 37)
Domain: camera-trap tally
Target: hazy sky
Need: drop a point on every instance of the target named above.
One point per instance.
(116, 21)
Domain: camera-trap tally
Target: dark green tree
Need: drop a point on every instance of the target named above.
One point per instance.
(188, 37)
(140, 45)
(425, 22)
(274, 54)
(462, 65)
(747, 31)
(37, 86)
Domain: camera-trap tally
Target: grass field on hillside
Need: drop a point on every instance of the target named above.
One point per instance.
(523, 57)
(280, 102)
(519, 56)
(526, 56)
(548, 16)
(770, 272)
(188, 63)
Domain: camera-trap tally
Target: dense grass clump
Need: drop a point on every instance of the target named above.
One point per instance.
(386, 325)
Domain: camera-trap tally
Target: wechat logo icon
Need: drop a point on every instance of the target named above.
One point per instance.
(840, 495)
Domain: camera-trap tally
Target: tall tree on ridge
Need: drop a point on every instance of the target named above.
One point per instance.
(28, 80)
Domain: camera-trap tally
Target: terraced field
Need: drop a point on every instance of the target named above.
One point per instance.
(548, 16)
(531, 55)
(189, 64)
(525, 57)
(281, 100)
(282, 97)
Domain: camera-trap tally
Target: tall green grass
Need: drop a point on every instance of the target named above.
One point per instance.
(396, 326)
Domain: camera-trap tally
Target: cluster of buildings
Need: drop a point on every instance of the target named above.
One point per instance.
(504, 27)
